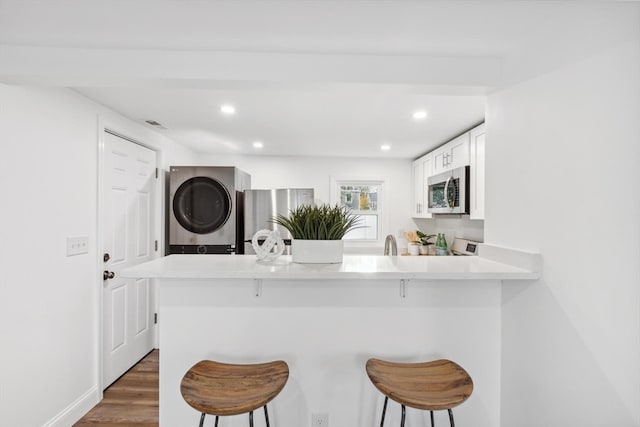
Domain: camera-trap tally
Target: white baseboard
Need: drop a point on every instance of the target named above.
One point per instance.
(72, 413)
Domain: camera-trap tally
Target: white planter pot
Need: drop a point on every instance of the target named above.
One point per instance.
(413, 249)
(317, 251)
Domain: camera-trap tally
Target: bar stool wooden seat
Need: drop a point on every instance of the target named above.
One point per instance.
(223, 389)
(431, 386)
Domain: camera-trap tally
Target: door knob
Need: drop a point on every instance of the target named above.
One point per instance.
(108, 275)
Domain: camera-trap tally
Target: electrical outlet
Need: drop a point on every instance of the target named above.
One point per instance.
(320, 420)
(77, 245)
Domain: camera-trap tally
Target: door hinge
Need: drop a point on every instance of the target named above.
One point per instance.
(155, 244)
(156, 173)
(155, 318)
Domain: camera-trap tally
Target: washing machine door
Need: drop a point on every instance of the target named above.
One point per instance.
(202, 205)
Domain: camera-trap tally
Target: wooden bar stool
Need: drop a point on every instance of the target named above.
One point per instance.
(432, 386)
(222, 389)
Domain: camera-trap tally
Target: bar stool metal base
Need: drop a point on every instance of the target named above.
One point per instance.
(404, 413)
(266, 417)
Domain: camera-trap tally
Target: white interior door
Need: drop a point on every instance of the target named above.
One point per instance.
(128, 189)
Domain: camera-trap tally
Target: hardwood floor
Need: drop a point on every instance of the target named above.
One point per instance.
(131, 401)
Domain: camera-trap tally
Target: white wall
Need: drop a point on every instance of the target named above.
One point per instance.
(563, 177)
(48, 302)
(316, 172)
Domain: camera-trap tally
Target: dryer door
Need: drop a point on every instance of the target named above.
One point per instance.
(202, 205)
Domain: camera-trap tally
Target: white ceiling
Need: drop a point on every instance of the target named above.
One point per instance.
(307, 77)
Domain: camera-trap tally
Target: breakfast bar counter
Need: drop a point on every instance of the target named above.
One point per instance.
(326, 321)
(366, 267)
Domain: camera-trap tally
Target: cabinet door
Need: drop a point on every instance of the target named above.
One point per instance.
(417, 177)
(476, 154)
(459, 151)
(453, 154)
(421, 169)
(427, 166)
(440, 157)
(427, 172)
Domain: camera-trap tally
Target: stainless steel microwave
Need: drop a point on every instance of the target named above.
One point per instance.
(448, 192)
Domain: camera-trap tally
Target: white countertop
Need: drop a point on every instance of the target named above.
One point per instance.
(353, 267)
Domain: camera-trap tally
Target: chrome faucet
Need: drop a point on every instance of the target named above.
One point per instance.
(390, 242)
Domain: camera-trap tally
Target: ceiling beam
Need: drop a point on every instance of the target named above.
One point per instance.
(55, 66)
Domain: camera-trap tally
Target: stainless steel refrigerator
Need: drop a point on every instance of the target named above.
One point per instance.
(262, 205)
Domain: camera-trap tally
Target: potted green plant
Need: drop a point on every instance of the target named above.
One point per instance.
(418, 242)
(317, 232)
(424, 242)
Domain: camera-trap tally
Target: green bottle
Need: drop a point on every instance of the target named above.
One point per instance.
(439, 245)
(445, 251)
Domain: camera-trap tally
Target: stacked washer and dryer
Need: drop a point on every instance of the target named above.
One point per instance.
(206, 209)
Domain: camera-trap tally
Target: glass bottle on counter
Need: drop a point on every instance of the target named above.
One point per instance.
(441, 245)
(445, 251)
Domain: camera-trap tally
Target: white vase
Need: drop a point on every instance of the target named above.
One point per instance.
(317, 251)
(413, 249)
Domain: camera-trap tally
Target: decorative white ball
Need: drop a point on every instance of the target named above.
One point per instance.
(271, 248)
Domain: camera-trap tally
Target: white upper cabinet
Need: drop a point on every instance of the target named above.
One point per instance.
(476, 181)
(421, 170)
(453, 154)
(465, 150)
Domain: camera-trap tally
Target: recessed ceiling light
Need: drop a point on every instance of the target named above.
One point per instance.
(258, 144)
(385, 147)
(227, 109)
(420, 115)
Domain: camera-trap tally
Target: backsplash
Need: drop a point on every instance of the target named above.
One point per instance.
(453, 227)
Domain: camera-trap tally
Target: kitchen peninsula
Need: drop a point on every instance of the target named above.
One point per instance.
(326, 320)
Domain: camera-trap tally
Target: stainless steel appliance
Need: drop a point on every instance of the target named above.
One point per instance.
(262, 205)
(448, 192)
(205, 211)
(464, 247)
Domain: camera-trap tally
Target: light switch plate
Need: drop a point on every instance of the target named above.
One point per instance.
(77, 245)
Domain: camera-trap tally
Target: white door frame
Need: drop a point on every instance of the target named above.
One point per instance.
(115, 129)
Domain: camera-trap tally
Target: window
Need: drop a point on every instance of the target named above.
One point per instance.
(364, 198)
